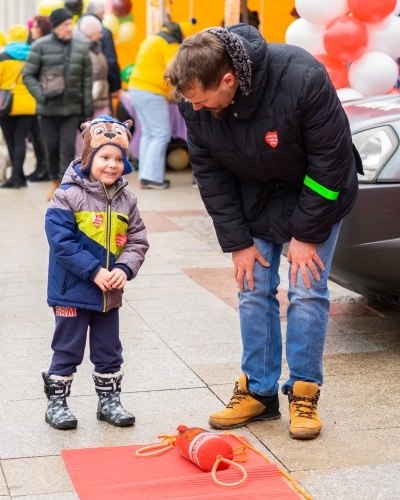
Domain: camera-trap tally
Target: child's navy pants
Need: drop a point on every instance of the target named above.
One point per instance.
(69, 340)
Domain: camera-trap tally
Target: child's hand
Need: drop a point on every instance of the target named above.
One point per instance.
(102, 279)
(117, 278)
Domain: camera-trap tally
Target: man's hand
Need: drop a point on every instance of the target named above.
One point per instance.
(302, 255)
(102, 279)
(117, 278)
(243, 264)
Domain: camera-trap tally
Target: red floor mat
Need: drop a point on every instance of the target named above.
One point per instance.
(115, 473)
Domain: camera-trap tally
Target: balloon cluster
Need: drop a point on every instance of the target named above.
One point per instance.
(119, 20)
(358, 42)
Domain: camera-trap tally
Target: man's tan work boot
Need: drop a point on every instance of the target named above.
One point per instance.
(54, 185)
(244, 407)
(304, 420)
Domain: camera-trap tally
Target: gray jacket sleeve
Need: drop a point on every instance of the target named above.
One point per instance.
(31, 72)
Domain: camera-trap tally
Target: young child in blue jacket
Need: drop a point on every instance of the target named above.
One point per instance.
(97, 242)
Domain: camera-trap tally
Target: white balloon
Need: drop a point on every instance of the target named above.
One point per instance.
(306, 35)
(347, 94)
(374, 73)
(385, 37)
(321, 11)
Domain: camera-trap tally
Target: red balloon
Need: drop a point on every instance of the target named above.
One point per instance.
(371, 11)
(337, 70)
(121, 8)
(345, 38)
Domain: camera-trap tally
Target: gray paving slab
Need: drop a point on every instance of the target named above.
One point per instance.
(218, 325)
(36, 476)
(3, 485)
(370, 482)
(211, 354)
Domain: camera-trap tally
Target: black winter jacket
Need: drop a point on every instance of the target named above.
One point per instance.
(73, 59)
(251, 188)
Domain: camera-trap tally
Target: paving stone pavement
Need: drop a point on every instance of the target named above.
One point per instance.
(179, 327)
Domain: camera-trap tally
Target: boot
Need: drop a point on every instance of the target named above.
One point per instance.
(54, 185)
(39, 175)
(109, 408)
(304, 420)
(244, 407)
(57, 388)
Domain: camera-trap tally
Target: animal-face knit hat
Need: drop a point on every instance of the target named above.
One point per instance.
(103, 131)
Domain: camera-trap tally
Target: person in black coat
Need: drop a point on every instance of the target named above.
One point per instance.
(271, 149)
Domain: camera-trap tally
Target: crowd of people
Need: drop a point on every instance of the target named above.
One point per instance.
(60, 75)
(63, 73)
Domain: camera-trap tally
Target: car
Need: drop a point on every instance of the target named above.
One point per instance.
(367, 255)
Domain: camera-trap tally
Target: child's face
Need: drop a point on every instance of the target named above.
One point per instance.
(107, 165)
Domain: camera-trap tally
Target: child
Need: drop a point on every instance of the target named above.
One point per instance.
(97, 242)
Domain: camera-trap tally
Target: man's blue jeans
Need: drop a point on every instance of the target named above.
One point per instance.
(153, 114)
(307, 322)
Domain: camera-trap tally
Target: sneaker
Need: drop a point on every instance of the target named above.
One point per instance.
(245, 407)
(304, 420)
(144, 184)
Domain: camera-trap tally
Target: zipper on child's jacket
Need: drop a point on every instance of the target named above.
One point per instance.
(108, 233)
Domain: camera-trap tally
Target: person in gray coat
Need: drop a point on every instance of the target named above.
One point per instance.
(58, 73)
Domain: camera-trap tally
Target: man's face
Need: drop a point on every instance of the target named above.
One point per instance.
(216, 101)
(64, 30)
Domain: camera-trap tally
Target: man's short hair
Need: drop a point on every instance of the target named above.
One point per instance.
(95, 6)
(201, 59)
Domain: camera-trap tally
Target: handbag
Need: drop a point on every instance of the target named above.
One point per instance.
(53, 83)
(6, 100)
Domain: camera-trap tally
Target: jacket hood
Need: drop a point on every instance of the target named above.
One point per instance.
(17, 50)
(257, 50)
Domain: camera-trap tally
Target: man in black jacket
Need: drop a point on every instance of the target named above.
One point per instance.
(60, 112)
(272, 153)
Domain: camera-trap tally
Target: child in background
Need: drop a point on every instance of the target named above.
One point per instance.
(97, 242)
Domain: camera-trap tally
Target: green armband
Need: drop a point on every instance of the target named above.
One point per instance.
(321, 190)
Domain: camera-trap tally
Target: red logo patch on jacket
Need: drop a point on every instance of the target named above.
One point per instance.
(271, 138)
(98, 220)
(120, 240)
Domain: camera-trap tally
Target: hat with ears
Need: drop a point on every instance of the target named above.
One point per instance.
(58, 16)
(103, 131)
(18, 33)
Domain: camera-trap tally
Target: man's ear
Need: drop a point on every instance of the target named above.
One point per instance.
(85, 125)
(229, 79)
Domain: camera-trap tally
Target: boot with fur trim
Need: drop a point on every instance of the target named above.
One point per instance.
(109, 408)
(57, 388)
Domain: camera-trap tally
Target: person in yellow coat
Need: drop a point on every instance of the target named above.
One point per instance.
(17, 124)
(148, 93)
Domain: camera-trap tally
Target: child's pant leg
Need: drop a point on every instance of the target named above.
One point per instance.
(69, 339)
(104, 341)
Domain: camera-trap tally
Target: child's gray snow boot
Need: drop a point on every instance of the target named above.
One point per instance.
(109, 409)
(57, 388)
